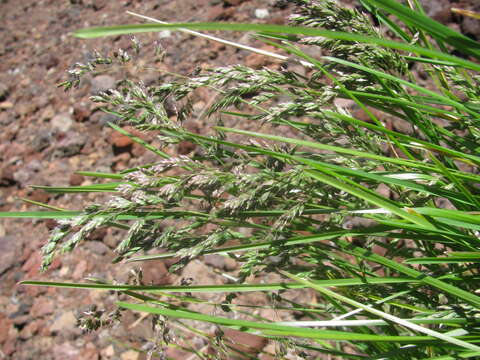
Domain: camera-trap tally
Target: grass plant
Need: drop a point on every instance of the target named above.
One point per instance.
(396, 271)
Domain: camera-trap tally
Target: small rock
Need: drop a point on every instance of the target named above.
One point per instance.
(49, 61)
(121, 143)
(25, 108)
(80, 270)
(42, 140)
(5, 105)
(102, 83)
(164, 34)
(81, 113)
(97, 247)
(62, 122)
(233, 2)
(108, 352)
(22, 175)
(89, 352)
(41, 306)
(9, 347)
(155, 272)
(64, 351)
(7, 253)
(66, 321)
(31, 329)
(186, 147)
(261, 13)
(4, 91)
(5, 118)
(70, 145)
(48, 113)
(244, 342)
(220, 13)
(129, 355)
(257, 61)
(4, 328)
(40, 196)
(76, 179)
(7, 177)
(220, 262)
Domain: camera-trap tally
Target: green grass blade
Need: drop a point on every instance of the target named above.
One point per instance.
(109, 187)
(405, 270)
(270, 328)
(279, 29)
(100, 175)
(67, 214)
(385, 315)
(439, 31)
(222, 288)
(139, 141)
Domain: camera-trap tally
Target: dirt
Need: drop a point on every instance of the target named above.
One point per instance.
(48, 134)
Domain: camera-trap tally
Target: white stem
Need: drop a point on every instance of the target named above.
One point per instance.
(222, 41)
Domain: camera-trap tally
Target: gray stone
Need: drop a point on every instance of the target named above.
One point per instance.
(102, 83)
(70, 145)
(65, 321)
(62, 122)
(7, 253)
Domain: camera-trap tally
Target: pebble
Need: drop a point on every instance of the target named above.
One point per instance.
(261, 13)
(42, 306)
(129, 355)
(65, 321)
(62, 122)
(102, 83)
(7, 253)
(71, 144)
(164, 34)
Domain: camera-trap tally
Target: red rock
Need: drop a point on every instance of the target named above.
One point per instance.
(81, 113)
(32, 266)
(5, 324)
(76, 179)
(42, 306)
(244, 342)
(31, 329)
(120, 141)
(186, 147)
(40, 196)
(156, 273)
(7, 253)
(9, 347)
(234, 2)
(89, 352)
(102, 83)
(80, 269)
(218, 12)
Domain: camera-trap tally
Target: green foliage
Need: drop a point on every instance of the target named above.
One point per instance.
(286, 198)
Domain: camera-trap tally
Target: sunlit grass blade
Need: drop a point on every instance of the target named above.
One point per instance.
(443, 99)
(139, 141)
(223, 288)
(134, 29)
(384, 315)
(435, 29)
(301, 240)
(68, 214)
(100, 175)
(270, 328)
(109, 187)
(415, 274)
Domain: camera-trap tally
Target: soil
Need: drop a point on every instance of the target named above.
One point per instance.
(48, 134)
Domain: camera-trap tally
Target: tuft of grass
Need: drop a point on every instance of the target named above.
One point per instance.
(282, 199)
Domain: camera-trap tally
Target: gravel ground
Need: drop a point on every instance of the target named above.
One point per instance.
(48, 134)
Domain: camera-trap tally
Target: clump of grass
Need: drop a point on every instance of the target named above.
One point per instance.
(287, 198)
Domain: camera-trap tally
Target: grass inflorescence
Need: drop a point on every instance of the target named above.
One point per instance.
(382, 224)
